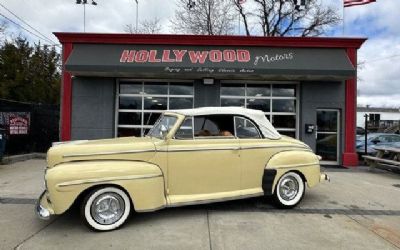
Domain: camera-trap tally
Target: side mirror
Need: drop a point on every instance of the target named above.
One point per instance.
(375, 141)
(164, 131)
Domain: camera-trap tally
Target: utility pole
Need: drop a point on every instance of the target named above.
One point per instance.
(84, 2)
(137, 14)
(365, 133)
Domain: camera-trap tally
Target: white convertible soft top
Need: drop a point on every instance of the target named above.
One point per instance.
(255, 115)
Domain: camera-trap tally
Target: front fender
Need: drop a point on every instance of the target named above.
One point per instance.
(143, 181)
(302, 161)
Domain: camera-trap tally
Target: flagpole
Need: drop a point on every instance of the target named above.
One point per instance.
(239, 24)
(343, 23)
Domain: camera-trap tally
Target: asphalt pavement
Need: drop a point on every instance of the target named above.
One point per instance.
(358, 209)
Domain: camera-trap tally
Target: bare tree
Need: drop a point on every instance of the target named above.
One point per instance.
(207, 17)
(283, 18)
(259, 17)
(148, 26)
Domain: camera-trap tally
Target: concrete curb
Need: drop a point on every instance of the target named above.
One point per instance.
(24, 157)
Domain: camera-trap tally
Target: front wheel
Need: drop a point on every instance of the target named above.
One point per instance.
(105, 208)
(289, 190)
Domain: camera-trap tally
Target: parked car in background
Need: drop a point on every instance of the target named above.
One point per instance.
(376, 139)
(360, 131)
(191, 156)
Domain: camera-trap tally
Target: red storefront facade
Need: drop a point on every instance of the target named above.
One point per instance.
(307, 77)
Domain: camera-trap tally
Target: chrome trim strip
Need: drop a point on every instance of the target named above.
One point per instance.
(274, 146)
(110, 153)
(295, 165)
(121, 178)
(231, 148)
(198, 202)
(197, 149)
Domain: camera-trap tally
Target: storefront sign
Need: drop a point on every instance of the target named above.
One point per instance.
(208, 61)
(195, 56)
(16, 123)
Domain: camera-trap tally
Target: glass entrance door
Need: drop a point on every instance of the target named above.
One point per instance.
(327, 135)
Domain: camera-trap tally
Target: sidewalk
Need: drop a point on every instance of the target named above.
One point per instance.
(358, 209)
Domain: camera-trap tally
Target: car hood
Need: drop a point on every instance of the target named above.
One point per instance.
(125, 148)
(286, 139)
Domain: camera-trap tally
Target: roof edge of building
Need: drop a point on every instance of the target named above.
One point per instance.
(166, 39)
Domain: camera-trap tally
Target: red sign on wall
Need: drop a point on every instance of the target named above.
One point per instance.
(19, 123)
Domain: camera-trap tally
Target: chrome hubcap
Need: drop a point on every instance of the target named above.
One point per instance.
(288, 188)
(107, 208)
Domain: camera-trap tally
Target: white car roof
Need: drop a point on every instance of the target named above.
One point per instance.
(255, 115)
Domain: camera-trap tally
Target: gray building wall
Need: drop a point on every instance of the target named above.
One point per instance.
(321, 95)
(206, 95)
(93, 108)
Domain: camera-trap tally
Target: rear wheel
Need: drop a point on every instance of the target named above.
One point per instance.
(289, 190)
(105, 208)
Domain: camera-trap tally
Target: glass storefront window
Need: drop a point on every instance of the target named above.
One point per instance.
(130, 102)
(180, 89)
(130, 88)
(228, 102)
(260, 104)
(276, 100)
(129, 118)
(282, 105)
(155, 103)
(140, 104)
(284, 121)
(233, 90)
(156, 88)
(123, 132)
(180, 103)
(258, 90)
(284, 90)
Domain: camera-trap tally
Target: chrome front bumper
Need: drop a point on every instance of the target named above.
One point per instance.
(42, 212)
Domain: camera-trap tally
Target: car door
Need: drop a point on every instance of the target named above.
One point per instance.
(203, 160)
(254, 153)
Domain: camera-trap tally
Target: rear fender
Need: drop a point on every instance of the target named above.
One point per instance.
(144, 182)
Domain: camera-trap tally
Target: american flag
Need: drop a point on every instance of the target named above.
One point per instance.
(349, 3)
(299, 4)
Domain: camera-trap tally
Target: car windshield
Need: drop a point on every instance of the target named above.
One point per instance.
(162, 126)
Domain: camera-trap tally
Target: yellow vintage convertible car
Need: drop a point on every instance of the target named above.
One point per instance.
(190, 156)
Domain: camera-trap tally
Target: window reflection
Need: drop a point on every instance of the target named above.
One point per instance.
(180, 103)
(130, 88)
(150, 118)
(258, 90)
(130, 102)
(284, 121)
(225, 102)
(284, 90)
(156, 88)
(181, 89)
(233, 89)
(284, 106)
(123, 132)
(155, 103)
(129, 118)
(259, 104)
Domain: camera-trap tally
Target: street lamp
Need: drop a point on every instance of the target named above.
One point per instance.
(84, 2)
(137, 13)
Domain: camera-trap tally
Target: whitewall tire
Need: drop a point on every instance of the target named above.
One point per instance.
(289, 190)
(105, 208)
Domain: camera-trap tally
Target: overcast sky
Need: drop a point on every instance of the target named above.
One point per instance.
(379, 75)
